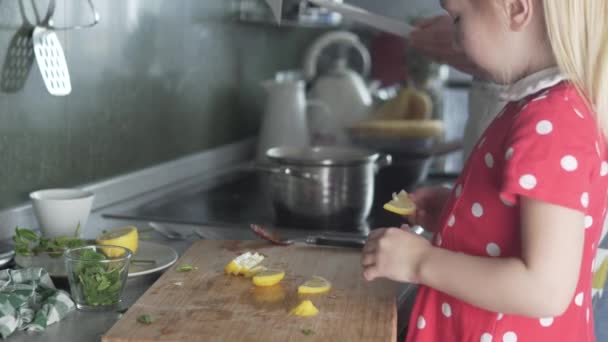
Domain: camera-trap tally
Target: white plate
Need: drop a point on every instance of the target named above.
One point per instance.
(363, 16)
(163, 256)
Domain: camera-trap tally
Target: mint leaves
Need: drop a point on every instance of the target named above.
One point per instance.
(98, 283)
(28, 243)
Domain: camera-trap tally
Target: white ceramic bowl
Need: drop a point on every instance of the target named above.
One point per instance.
(60, 211)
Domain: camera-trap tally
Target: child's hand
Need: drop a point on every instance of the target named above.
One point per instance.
(395, 254)
(429, 204)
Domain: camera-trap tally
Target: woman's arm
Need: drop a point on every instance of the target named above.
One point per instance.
(539, 284)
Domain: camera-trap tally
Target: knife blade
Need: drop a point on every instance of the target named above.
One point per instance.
(333, 241)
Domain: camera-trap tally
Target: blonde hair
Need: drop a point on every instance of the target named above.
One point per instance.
(578, 33)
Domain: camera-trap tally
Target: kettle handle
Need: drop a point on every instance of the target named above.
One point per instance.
(345, 37)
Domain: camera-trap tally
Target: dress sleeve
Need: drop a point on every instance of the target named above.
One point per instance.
(551, 154)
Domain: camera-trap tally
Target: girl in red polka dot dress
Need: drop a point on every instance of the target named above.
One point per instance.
(515, 239)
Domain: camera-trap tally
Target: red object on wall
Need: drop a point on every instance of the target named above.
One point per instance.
(388, 59)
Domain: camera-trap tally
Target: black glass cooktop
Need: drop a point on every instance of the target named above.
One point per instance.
(237, 199)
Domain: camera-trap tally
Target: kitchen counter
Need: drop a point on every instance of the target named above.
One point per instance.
(89, 326)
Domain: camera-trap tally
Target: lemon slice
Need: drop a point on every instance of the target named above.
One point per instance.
(315, 285)
(255, 270)
(401, 204)
(305, 309)
(268, 277)
(126, 237)
(243, 263)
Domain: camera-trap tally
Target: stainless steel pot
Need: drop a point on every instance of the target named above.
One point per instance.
(323, 187)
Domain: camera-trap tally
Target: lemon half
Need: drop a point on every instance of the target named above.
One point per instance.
(126, 237)
(401, 204)
(315, 285)
(268, 277)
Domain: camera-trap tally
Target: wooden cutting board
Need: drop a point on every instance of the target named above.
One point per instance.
(207, 305)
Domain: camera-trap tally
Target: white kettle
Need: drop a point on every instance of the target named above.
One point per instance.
(285, 121)
(342, 90)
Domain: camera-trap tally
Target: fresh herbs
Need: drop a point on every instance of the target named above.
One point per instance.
(145, 319)
(100, 283)
(308, 332)
(186, 268)
(28, 243)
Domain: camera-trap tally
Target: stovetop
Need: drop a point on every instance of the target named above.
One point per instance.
(237, 199)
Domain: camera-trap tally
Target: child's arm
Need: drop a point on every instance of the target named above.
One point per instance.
(539, 284)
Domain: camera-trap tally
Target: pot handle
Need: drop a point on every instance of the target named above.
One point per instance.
(284, 171)
(383, 161)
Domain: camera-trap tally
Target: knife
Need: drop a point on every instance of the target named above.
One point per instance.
(333, 241)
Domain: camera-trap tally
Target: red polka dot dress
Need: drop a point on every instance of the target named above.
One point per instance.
(547, 147)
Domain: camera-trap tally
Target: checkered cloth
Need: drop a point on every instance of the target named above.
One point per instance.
(29, 301)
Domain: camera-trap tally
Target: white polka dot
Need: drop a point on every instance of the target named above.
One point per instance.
(439, 239)
(505, 202)
(452, 221)
(421, 322)
(477, 210)
(458, 190)
(544, 127)
(546, 322)
(489, 160)
(509, 337)
(528, 182)
(481, 142)
(604, 170)
(509, 153)
(493, 250)
(579, 113)
(588, 222)
(578, 300)
(500, 316)
(446, 309)
(585, 200)
(486, 338)
(569, 163)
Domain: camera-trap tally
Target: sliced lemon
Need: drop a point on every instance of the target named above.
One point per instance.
(315, 285)
(268, 277)
(126, 237)
(401, 204)
(255, 270)
(600, 276)
(305, 309)
(243, 263)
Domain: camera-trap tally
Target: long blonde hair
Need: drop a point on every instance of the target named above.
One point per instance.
(578, 32)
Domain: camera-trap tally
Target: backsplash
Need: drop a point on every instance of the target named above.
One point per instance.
(154, 81)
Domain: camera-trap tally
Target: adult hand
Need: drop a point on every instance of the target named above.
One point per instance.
(395, 254)
(434, 38)
(429, 204)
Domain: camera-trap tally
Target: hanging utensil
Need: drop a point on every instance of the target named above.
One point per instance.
(49, 52)
(363, 16)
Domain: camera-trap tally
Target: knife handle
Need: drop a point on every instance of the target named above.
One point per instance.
(340, 241)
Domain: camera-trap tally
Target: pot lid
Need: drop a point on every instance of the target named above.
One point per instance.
(322, 156)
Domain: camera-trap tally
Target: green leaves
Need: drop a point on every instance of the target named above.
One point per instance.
(99, 283)
(145, 319)
(186, 268)
(308, 332)
(28, 243)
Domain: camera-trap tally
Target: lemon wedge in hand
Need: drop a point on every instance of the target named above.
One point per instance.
(268, 277)
(305, 309)
(401, 204)
(244, 263)
(126, 237)
(316, 285)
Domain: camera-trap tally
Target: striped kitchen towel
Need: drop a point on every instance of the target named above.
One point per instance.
(29, 301)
